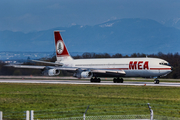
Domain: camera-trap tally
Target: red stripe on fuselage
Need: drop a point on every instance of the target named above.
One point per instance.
(160, 68)
(137, 69)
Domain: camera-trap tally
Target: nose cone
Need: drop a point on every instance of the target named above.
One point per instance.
(171, 68)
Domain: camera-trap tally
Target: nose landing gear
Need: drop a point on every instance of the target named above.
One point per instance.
(156, 81)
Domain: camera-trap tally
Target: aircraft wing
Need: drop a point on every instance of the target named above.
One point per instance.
(52, 63)
(113, 71)
(43, 67)
(27, 66)
(93, 70)
(108, 71)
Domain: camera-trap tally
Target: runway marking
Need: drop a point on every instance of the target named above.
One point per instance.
(87, 82)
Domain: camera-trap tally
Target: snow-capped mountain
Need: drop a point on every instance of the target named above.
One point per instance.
(123, 36)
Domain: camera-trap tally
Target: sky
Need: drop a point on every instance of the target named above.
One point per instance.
(37, 15)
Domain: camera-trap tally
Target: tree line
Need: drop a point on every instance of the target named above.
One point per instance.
(173, 59)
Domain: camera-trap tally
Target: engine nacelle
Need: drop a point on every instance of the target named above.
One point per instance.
(51, 72)
(83, 73)
(86, 74)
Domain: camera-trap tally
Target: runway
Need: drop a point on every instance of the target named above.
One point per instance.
(85, 82)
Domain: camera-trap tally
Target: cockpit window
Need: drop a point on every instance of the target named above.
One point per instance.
(162, 63)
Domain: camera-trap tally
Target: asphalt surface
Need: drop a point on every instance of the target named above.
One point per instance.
(71, 80)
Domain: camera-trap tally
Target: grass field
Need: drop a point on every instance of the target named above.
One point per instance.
(102, 99)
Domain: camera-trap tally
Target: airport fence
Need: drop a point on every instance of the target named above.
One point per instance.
(99, 112)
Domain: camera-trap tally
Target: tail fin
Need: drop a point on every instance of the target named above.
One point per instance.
(61, 50)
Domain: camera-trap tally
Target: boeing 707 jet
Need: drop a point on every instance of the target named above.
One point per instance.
(97, 68)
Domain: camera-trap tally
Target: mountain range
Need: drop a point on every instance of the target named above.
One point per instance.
(23, 56)
(125, 36)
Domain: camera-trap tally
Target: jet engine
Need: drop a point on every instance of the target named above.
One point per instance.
(83, 74)
(51, 72)
(86, 74)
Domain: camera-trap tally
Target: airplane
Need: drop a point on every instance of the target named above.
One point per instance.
(105, 67)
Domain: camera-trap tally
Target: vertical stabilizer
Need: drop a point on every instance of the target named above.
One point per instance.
(61, 50)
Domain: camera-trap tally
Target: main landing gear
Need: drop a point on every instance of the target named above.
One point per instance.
(95, 79)
(156, 81)
(117, 80)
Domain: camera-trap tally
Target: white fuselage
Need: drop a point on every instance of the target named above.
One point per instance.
(133, 67)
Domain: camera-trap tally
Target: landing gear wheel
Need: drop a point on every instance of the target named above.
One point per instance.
(121, 80)
(98, 80)
(117, 80)
(91, 80)
(156, 81)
